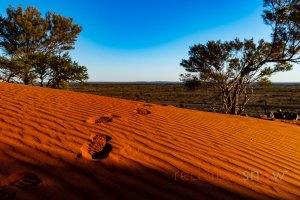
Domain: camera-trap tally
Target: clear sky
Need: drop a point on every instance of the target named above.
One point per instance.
(145, 40)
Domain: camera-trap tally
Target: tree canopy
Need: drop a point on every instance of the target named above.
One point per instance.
(232, 66)
(36, 47)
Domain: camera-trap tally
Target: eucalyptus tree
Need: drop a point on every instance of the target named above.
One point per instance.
(29, 40)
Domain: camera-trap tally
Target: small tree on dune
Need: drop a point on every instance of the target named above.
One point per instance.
(231, 67)
(30, 42)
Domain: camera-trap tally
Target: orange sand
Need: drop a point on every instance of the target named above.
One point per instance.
(171, 153)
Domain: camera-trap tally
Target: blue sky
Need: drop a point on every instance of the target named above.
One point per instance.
(145, 40)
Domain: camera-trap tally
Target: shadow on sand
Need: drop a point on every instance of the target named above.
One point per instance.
(79, 178)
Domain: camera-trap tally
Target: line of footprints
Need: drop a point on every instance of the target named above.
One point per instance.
(97, 147)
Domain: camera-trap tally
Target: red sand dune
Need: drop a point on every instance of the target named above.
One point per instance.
(166, 153)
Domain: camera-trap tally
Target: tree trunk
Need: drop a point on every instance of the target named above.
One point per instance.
(235, 105)
(227, 100)
(236, 95)
(26, 80)
(9, 77)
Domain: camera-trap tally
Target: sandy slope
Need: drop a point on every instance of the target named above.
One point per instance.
(171, 153)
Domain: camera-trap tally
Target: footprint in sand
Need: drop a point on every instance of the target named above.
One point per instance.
(143, 111)
(101, 119)
(96, 147)
(24, 181)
